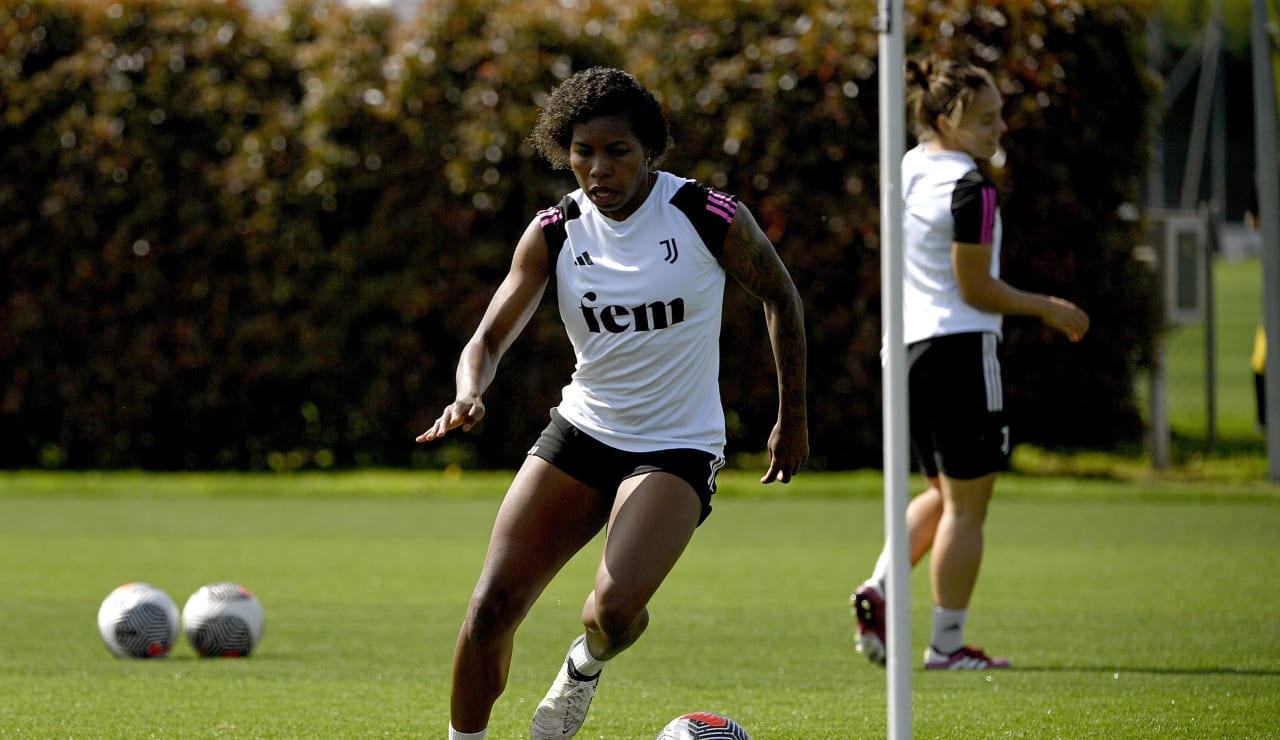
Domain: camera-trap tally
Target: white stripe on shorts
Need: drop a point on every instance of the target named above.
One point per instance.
(991, 373)
(716, 465)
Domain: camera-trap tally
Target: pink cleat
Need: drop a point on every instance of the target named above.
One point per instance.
(867, 604)
(965, 659)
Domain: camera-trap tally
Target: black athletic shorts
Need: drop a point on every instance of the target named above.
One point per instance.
(600, 466)
(956, 397)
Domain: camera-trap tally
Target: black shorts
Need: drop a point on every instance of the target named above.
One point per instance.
(956, 396)
(600, 466)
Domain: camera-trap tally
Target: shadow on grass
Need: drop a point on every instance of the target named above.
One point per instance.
(1152, 670)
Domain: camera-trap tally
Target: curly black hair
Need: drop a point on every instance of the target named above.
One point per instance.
(592, 93)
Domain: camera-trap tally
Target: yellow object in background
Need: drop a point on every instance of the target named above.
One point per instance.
(1259, 358)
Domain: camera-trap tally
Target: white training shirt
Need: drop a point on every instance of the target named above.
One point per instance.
(946, 199)
(641, 300)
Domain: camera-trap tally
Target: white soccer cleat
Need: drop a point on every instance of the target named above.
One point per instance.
(966, 658)
(564, 709)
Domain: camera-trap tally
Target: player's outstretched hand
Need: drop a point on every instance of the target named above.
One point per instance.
(1067, 318)
(464, 413)
(788, 448)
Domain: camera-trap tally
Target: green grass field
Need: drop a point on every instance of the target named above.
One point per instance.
(1130, 609)
(1133, 604)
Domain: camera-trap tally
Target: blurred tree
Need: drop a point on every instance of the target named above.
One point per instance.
(239, 241)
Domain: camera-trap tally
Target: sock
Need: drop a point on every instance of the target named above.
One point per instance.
(948, 629)
(881, 572)
(583, 662)
(455, 735)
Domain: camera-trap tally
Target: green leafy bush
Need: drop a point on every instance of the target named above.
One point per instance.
(231, 241)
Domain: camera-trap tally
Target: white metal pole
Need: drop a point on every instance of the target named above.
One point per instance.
(892, 143)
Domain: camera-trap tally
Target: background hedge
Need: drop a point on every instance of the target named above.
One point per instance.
(232, 241)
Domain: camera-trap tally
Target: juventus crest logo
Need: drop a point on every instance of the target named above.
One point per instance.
(673, 252)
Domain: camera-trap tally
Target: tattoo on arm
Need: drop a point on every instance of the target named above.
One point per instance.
(755, 264)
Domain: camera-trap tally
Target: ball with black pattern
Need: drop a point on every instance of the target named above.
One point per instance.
(703, 726)
(138, 620)
(223, 620)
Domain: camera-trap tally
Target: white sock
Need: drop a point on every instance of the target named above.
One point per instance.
(881, 573)
(948, 629)
(583, 661)
(455, 735)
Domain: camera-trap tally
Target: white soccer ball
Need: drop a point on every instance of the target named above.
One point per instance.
(223, 620)
(703, 726)
(138, 620)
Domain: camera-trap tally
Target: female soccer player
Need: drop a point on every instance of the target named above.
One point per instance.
(953, 304)
(639, 258)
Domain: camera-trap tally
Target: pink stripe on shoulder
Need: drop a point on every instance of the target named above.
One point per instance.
(721, 205)
(988, 232)
(549, 216)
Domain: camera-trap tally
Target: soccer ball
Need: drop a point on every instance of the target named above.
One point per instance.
(138, 620)
(223, 620)
(703, 726)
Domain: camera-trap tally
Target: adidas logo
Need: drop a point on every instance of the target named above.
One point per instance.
(583, 260)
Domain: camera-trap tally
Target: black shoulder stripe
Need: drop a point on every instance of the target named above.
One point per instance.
(974, 203)
(553, 221)
(709, 210)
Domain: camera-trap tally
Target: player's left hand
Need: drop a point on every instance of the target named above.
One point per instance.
(788, 449)
(1067, 318)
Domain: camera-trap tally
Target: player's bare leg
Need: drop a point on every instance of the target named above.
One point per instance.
(653, 519)
(868, 600)
(957, 546)
(923, 514)
(957, 557)
(545, 518)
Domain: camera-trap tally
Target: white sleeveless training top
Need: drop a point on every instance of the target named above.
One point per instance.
(641, 300)
(946, 199)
